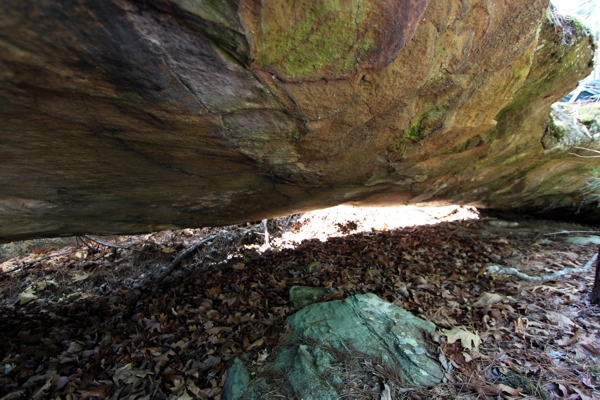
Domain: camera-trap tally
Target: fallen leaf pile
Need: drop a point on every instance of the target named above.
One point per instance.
(172, 340)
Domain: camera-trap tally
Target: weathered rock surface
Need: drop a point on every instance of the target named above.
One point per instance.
(361, 326)
(123, 116)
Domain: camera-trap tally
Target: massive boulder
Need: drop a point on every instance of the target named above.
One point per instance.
(124, 116)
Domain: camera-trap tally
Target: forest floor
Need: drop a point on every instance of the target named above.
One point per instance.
(93, 321)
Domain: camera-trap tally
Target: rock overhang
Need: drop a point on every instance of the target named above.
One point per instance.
(125, 118)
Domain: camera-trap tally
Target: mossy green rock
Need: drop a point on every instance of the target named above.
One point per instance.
(238, 381)
(361, 325)
(301, 296)
(375, 327)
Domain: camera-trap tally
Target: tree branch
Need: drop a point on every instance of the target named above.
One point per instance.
(106, 244)
(181, 256)
(30, 263)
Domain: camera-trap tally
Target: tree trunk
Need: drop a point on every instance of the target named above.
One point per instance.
(596, 288)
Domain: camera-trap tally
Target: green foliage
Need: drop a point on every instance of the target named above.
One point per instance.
(587, 11)
(580, 29)
(516, 381)
(594, 370)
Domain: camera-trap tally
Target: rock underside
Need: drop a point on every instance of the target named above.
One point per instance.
(124, 116)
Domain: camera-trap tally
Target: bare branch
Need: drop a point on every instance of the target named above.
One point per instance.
(181, 256)
(30, 263)
(577, 155)
(585, 148)
(106, 244)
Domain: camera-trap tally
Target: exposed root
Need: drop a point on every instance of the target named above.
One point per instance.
(497, 269)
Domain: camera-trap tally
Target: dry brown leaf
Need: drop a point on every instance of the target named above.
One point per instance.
(80, 276)
(218, 329)
(582, 395)
(561, 320)
(162, 360)
(590, 348)
(152, 325)
(521, 324)
(41, 392)
(566, 341)
(192, 387)
(468, 340)
(239, 266)
(494, 390)
(257, 343)
(487, 299)
(97, 393)
(27, 295)
(564, 390)
(129, 375)
(262, 356)
(386, 393)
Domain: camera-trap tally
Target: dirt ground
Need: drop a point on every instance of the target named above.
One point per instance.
(93, 320)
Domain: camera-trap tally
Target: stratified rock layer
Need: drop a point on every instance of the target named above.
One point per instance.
(124, 117)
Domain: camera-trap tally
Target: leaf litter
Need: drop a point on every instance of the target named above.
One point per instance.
(95, 323)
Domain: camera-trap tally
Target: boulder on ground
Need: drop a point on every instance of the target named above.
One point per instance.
(364, 326)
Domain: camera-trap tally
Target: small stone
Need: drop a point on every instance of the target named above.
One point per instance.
(302, 296)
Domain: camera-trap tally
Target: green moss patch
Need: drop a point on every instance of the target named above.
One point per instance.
(316, 38)
(589, 115)
(425, 123)
(556, 129)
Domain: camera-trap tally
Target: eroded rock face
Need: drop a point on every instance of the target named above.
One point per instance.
(124, 117)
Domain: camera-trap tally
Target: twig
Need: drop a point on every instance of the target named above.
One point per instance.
(106, 244)
(30, 263)
(93, 250)
(497, 269)
(223, 266)
(181, 256)
(585, 148)
(577, 155)
(595, 295)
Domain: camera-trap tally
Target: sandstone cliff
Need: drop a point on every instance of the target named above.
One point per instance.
(126, 116)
